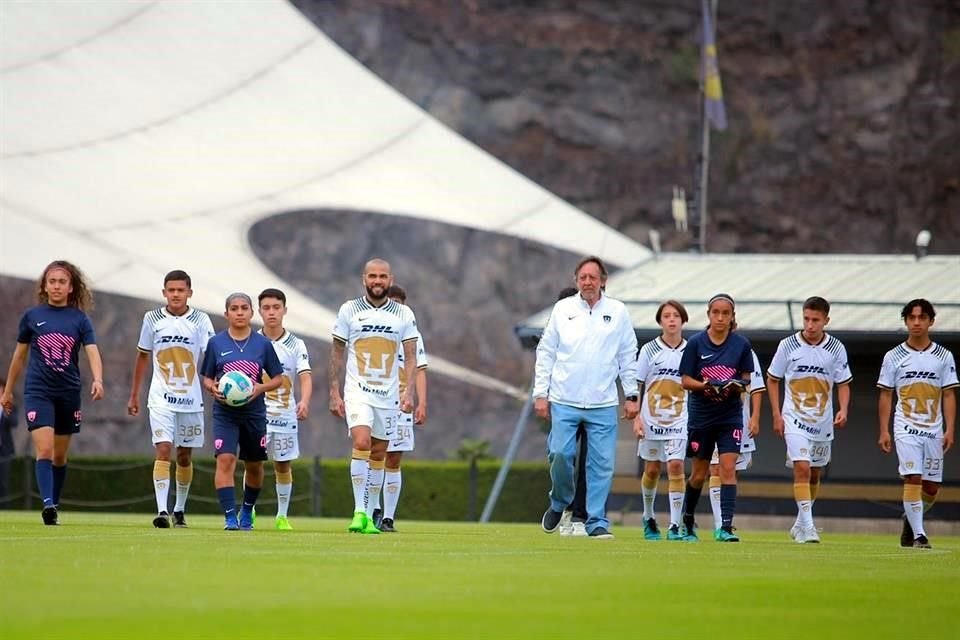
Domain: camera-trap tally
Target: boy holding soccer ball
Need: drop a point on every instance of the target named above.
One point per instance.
(243, 427)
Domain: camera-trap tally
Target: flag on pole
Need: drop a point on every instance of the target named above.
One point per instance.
(712, 91)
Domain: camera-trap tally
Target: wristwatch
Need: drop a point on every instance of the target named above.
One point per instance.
(631, 398)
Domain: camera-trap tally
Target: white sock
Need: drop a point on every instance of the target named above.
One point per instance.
(393, 482)
(161, 483)
(374, 486)
(715, 507)
(358, 476)
(805, 513)
(914, 511)
(161, 488)
(676, 507)
(283, 498)
(649, 496)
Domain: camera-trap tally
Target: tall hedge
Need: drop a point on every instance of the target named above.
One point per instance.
(431, 490)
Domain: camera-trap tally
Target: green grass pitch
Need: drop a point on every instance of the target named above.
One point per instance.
(113, 576)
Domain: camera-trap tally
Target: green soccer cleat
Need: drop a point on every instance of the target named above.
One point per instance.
(358, 523)
(673, 533)
(689, 534)
(725, 535)
(369, 527)
(650, 530)
(282, 524)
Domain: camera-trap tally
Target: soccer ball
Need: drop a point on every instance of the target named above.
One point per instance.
(236, 388)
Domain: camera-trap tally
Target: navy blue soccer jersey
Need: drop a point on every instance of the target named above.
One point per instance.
(702, 359)
(55, 335)
(254, 358)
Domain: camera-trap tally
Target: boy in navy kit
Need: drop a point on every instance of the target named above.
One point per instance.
(51, 334)
(716, 355)
(239, 348)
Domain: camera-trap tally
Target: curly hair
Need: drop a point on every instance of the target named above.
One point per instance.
(81, 297)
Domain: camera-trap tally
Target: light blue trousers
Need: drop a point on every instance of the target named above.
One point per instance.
(601, 430)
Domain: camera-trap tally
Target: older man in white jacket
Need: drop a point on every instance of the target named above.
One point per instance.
(587, 344)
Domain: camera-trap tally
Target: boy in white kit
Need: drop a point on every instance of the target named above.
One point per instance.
(283, 410)
(403, 438)
(924, 376)
(175, 337)
(811, 362)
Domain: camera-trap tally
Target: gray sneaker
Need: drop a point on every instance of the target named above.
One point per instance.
(601, 533)
(551, 520)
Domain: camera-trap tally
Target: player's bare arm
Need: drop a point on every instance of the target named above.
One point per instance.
(139, 368)
(96, 370)
(335, 375)
(409, 355)
(420, 415)
(843, 397)
(949, 417)
(639, 429)
(773, 390)
(756, 404)
(884, 406)
(306, 393)
(17, 363)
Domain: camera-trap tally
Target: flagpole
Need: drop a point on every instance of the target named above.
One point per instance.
(702, 191)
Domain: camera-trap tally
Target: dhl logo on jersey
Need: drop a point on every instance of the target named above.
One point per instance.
(173, 340)
(376, 328)
(918, 375)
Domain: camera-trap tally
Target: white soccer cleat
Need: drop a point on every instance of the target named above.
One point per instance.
(795, 530)
(566, 524)
(579, 529)
(808, 535)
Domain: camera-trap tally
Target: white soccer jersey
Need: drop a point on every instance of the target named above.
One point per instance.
(282, 401)
(919, 378)
(373, 336)
(757, 385)
(664, 407)
(810, 371)
(176, 344)
(421, 363)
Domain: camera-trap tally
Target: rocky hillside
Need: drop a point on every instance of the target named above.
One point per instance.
(844, 130)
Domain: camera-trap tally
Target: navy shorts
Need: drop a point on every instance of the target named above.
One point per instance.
(63, 414)
(244, 433)
(701, 442)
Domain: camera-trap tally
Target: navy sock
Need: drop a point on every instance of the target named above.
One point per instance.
(728, 503)
(690, 499)
(250, 495)
(59, 475)
(44, 471)
(228, 501)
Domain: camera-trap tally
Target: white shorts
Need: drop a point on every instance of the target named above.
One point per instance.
(920, 456)
(803, 449)
(182, 429)
(403, 438)
(744, 460)
(283, 446)
(662, 450)
(382, 421)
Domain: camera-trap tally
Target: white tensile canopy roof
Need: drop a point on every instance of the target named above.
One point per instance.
(138, 136)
